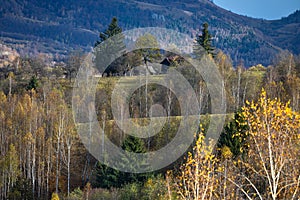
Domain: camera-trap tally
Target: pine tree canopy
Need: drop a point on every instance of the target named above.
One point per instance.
(113, 29)
(205, 39)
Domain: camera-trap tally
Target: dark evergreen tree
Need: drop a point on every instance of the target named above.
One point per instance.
(234, 135)
(107, 177)
(21, 190)
(113, 29)
(133, 144)
(204, 40)
(109, 50)
(33, 83)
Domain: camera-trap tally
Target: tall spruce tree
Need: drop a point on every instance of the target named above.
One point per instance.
(134, 145)
(107, 177)
(204, 40)
(33, 83)
(110, 52)
(113, 29)
(234, 136)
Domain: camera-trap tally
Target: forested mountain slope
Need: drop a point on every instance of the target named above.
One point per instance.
(59, 26)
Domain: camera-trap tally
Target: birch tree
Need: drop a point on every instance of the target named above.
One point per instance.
(67, 143)
(196, 178)
(273, 158)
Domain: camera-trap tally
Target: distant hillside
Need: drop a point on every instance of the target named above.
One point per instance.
(59, 26)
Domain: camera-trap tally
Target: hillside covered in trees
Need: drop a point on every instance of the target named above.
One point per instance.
(58, 26)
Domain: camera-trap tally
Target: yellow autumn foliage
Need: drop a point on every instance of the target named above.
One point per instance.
(274, 148)
(196, 178)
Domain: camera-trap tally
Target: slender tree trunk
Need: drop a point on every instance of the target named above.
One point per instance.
(290, 66)
(146, 93)
(28, 163)
(57, 165)
(103, 132)
(238, 88)
(140, 95)
(68, 166)
(223, 95)
(244, 93)
(10, 83)
(59, 135)
(49, 151)
(169, 96)
(33, 170)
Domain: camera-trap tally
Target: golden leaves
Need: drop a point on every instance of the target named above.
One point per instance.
(196, 175)
(226, 152)
(273, 129)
